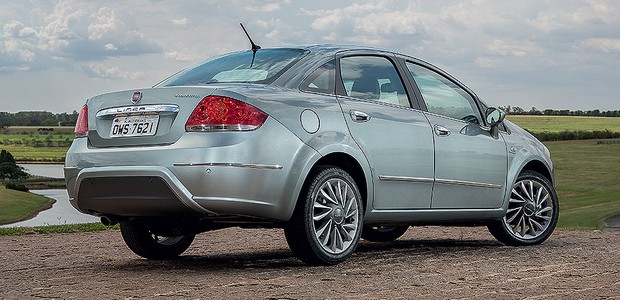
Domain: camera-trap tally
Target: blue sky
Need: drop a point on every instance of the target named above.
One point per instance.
(561, 54)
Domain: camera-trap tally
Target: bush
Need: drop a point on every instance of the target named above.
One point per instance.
(15, 186)
(575, 135)
(8, 168)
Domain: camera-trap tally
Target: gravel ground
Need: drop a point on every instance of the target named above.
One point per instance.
(426, 263)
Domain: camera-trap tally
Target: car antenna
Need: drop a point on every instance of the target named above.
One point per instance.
(254, 46)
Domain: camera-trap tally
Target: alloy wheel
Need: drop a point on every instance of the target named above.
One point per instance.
(335, 216)
(530, 210)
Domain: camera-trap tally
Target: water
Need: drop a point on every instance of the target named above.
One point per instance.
(52, 171)
(61, 212)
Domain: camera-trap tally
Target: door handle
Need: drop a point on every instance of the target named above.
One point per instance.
(359, 116)
(441, 131)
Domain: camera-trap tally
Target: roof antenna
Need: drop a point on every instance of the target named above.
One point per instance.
(254, 46)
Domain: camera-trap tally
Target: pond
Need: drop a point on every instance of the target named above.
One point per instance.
(61, 212)
(52, 171)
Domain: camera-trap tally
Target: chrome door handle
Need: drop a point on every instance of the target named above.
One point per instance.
(359, 116)
(441, 131)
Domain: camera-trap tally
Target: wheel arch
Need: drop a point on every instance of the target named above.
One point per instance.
(351, 166)
(339, 158)
(536, 164)
(539, 167)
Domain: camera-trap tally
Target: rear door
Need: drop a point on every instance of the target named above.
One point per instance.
(396, 138)
(470, 164)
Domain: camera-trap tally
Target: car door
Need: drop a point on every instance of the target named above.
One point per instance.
(396, 139)
(470, 163)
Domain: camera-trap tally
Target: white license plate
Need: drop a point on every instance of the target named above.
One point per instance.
(134, 126)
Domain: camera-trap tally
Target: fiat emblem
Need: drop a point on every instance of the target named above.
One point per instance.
(136, 97)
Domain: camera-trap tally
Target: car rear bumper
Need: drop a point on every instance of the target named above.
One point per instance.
(206, 174)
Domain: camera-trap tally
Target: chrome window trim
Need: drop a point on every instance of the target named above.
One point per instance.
(237, 165)
(142, 109)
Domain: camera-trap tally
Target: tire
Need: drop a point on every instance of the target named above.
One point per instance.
(326, 225)
(144, 243)
(532, 213)
(383, 233)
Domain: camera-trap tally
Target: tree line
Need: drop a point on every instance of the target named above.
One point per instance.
(37, 118)
(515, 110)
(45, 118)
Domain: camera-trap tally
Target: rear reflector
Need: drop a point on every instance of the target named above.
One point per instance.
(81, 126)
(217, 113)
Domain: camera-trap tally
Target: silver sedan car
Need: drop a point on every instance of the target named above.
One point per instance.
(330, 143)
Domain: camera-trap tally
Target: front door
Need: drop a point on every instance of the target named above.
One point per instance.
(470, 164)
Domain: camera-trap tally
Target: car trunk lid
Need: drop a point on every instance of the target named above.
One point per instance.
(151, 116)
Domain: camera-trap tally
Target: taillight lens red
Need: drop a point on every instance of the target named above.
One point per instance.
(81, 126)
(217, 113)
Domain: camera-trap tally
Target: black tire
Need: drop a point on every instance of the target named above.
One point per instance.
(532, 212)
(383, 233)
(143, 242)
(326, 225)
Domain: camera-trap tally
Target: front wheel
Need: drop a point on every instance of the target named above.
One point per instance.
(143, 242)
(326, 226)
(532, 213)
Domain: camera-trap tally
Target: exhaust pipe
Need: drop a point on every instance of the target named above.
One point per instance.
(109, 221)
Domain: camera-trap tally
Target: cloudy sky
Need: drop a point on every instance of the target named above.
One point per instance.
(561, 54)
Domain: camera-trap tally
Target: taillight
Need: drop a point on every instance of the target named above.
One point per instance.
(217, 113)
(81, 126)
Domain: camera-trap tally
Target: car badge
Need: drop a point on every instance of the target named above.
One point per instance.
(136, 97)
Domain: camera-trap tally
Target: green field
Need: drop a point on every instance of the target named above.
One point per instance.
(15, 205)
(563, 123)
(37, 154)
(587, 178)
(36, 144)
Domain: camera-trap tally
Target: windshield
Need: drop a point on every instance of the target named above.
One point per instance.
(264, 67)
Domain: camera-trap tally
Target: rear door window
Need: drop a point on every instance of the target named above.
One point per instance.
(372, 78)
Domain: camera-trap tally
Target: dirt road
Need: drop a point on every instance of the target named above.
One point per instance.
(426, 263)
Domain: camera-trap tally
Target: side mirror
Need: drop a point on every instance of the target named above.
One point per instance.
(494, 116)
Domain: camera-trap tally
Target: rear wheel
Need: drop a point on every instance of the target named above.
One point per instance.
(383, 233)
(143, 242)
(326, 226)
(532, 212)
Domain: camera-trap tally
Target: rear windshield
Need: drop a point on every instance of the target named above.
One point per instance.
(263, 67)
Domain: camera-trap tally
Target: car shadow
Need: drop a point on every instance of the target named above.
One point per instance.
(283, 258)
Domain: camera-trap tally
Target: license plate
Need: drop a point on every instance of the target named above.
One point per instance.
(134, 126)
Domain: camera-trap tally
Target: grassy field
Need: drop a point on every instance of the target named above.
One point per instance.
(37, 154)
(15, 205)
(57, 229)
(31, 144)
(588, 182)
(562, 123)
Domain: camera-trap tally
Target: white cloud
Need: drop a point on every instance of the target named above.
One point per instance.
(72, 31)
(270, 6)
(183, 56)
(606, 45)
(102, 71)
(180, 22)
